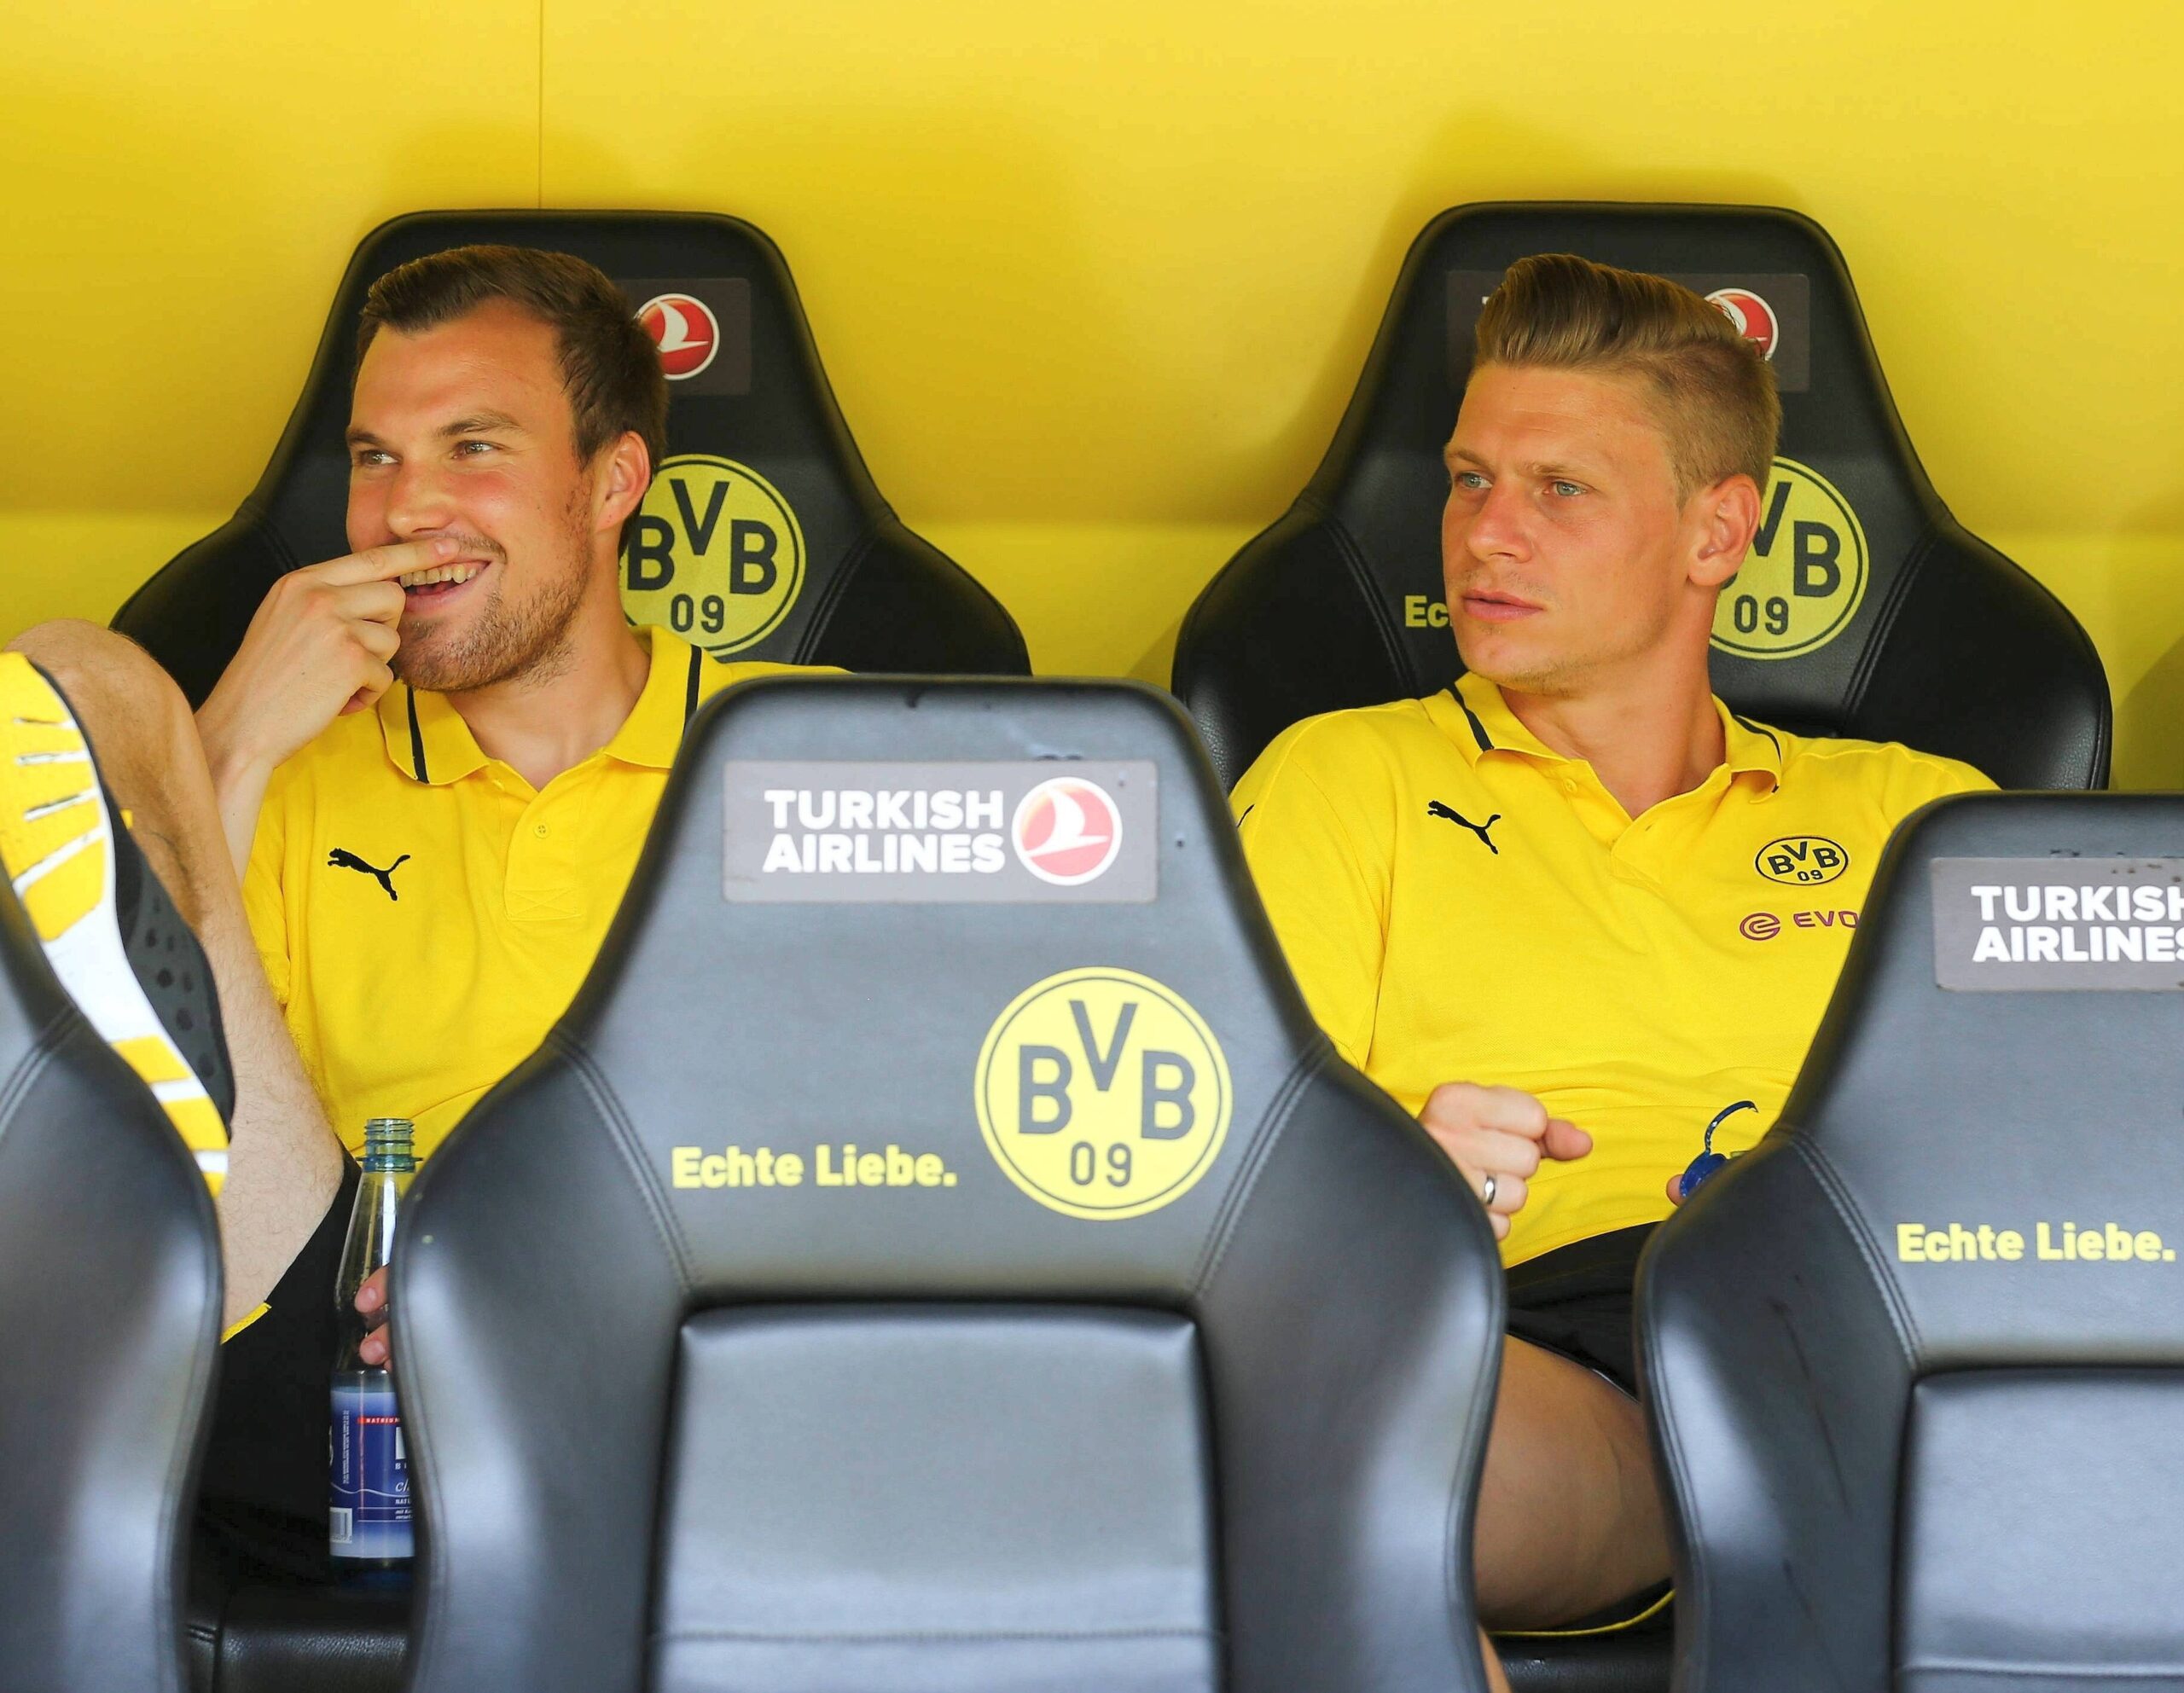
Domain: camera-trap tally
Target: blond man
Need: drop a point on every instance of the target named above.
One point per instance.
(1520, 905)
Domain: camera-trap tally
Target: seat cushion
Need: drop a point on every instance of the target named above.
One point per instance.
(1635, 1661)
(2043, 1524)
(914, 1500)
(345, 1639)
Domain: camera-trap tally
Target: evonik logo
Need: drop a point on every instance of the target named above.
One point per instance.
(1765, 925)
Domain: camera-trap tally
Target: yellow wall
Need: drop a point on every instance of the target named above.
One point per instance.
(1093, 282)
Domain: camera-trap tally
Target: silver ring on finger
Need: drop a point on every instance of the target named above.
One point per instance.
(1486, 1192)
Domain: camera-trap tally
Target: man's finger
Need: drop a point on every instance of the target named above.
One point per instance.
(1675, 1189)
(384, 564)
(1566, 1140)
(381, 679)
(1464, 1104)
(380, 638)
(371, 602)
(1510, 1193)
(1488, 1149)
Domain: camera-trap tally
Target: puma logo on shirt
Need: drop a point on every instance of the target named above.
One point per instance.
(1435, 808)
(342, 859)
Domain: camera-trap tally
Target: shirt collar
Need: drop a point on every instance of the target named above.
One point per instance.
(429, 741)
(1489, 725)
(1753, 749)
(652, 734)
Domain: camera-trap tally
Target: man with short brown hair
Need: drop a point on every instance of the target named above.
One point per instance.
(1545, 877)
(431, 761)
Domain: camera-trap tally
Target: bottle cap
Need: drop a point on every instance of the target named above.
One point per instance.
(388, 1135)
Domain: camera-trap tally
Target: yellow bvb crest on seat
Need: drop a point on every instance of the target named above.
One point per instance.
(1802, 581)
(716, 554)
(1102, 1093)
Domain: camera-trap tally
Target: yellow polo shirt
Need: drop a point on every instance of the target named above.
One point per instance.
(424, 914)
(1461, 904)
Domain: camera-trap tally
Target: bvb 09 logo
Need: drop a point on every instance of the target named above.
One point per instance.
(1102, 1094)
(716, 554)
(1800, 585)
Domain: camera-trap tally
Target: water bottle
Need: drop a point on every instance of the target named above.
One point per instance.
(369, 1524)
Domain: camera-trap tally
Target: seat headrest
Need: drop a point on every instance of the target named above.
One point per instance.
(1864, 609)
(763, 536)
(986, 991)
(2005, 1053)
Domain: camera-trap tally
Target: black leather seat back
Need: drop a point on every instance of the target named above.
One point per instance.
(109, 1316)
(1904, 1356)
(763, 535)
(1865, 610)
(1037, 1201)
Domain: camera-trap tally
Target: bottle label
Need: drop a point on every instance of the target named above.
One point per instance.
(369, 1515)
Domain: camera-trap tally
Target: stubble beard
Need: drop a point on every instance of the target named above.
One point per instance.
(529, 642)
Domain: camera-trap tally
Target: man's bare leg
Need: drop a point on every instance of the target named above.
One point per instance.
(1570, 1517)
(1495, 1681)
(284, 1163)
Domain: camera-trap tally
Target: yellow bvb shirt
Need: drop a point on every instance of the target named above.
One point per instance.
(424, 914)
(1460, 904)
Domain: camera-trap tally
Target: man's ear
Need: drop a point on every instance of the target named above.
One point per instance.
(1727, 517)
(624, 478)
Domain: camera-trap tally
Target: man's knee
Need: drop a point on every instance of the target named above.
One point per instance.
(103, 673)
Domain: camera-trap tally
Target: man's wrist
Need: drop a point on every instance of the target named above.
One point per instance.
(229, 753)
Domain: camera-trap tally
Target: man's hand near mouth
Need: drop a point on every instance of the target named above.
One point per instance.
(317, 648)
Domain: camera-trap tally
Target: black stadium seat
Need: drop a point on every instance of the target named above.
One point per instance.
(109, 1325)
(1867, 610)
(989, 1278)
(764, 535)
(1917, 1360)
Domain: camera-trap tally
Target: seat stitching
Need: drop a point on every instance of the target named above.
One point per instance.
(823, 610)
(1885, 619)
(1694, 1591)
(1869, 666)
(426, 1629)
(625, 1142)
(182, 1466)
(1832, 1185)
(44, 1044)
(1271, 1125)
(2090, 1672)
(857, 1636)
(262, 517)
(1361, 573)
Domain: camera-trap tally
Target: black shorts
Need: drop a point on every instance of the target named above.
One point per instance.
(1577, 1300)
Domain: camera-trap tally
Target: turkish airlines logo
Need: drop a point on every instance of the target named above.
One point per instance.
(1754, 318)
(1066, 831)
(685, 329)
